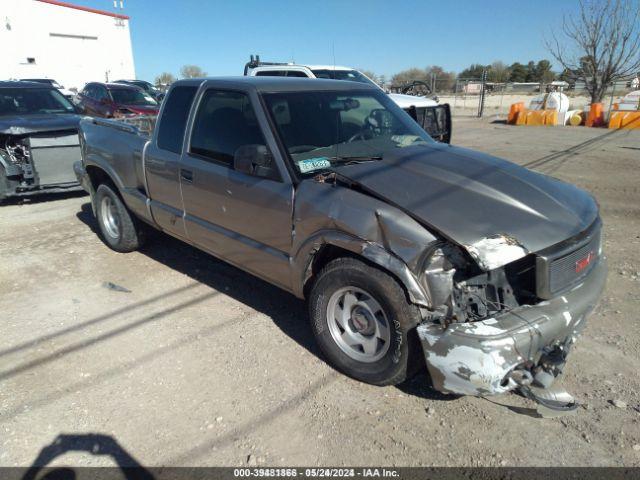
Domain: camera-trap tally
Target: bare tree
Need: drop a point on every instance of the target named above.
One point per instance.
(192, 71)
(442, 81)
(164, 79)
(434, 76)
(601, 44)
(371, 75)
(498, 72)
(410, 75)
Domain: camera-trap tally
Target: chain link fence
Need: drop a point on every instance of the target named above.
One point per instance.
(471, 97)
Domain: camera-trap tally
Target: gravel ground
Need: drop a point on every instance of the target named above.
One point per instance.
(201, 364)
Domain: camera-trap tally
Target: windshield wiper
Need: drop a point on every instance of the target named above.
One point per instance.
(355, 158)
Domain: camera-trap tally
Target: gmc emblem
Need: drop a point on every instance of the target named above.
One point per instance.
(584, 262)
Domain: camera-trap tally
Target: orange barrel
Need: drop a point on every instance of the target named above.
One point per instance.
(551, 118)
(615, 119)
(596, 115)
(536, 117)
(625, 119)
(514, 110)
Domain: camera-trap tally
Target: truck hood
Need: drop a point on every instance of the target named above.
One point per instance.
(496, 210)
(26, 124)
(406, 101)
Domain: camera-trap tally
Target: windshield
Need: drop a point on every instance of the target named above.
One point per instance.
(30, 101)
(129, 96)
(324, 129)
(351, 75)
(146, 86)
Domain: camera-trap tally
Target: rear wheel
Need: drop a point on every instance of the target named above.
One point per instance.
(119, 229)
(363, 322)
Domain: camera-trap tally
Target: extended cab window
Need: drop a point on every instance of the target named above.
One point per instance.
(224, 122)
(174, 118)
(281, 73)
(271, 73)
(296, 73)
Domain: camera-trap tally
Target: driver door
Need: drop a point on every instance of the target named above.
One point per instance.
(240, 217)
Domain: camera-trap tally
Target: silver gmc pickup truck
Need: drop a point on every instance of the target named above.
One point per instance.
(409, 252)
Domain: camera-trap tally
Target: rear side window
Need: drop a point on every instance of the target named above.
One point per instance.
(271, 73)
(225, 121)
(281, 73)
(296, 73)
(174, 118)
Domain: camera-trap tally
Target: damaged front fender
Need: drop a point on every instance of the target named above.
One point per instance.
(326, 214)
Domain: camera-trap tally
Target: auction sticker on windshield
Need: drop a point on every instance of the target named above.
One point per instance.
(312, 164)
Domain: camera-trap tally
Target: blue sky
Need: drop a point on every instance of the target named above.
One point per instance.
(378, 35)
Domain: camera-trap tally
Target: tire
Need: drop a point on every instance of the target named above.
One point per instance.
(118, 228)
(357, 344)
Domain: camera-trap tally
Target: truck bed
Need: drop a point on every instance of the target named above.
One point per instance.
(116, 145)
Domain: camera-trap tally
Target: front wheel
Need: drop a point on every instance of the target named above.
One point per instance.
(363, 322)
(119, 229)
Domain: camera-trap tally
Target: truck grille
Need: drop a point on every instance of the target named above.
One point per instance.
(564, 266)
(570, 269)
(436, 121)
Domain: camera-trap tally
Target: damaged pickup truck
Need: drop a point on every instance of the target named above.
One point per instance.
(38, 139)
(407, 250)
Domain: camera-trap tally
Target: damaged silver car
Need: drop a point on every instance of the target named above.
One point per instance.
(408, 251)
(38, 139)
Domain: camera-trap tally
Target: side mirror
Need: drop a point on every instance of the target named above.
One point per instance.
(254, 160)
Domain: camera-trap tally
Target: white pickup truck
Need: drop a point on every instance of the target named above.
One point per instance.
(433, 117)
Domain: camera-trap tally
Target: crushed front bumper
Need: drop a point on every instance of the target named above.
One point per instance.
(477, 358)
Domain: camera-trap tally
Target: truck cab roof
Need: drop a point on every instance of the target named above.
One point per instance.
(310, 67)
(23, 84)
(278, 84)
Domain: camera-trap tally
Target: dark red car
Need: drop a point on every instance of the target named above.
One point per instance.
(115, 100)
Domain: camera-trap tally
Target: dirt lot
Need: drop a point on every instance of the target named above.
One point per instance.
(201, 364)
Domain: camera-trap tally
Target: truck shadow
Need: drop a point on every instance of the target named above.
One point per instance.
(41, 197)
(287, 312)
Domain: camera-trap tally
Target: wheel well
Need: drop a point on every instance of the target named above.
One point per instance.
(322, 257)
(328, 253)
(98, 176)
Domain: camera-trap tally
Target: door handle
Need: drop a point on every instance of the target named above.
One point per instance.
(186, 175)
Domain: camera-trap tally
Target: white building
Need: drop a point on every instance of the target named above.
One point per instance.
(66, 42)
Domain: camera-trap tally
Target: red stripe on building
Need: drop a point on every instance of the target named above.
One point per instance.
(84, 9)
